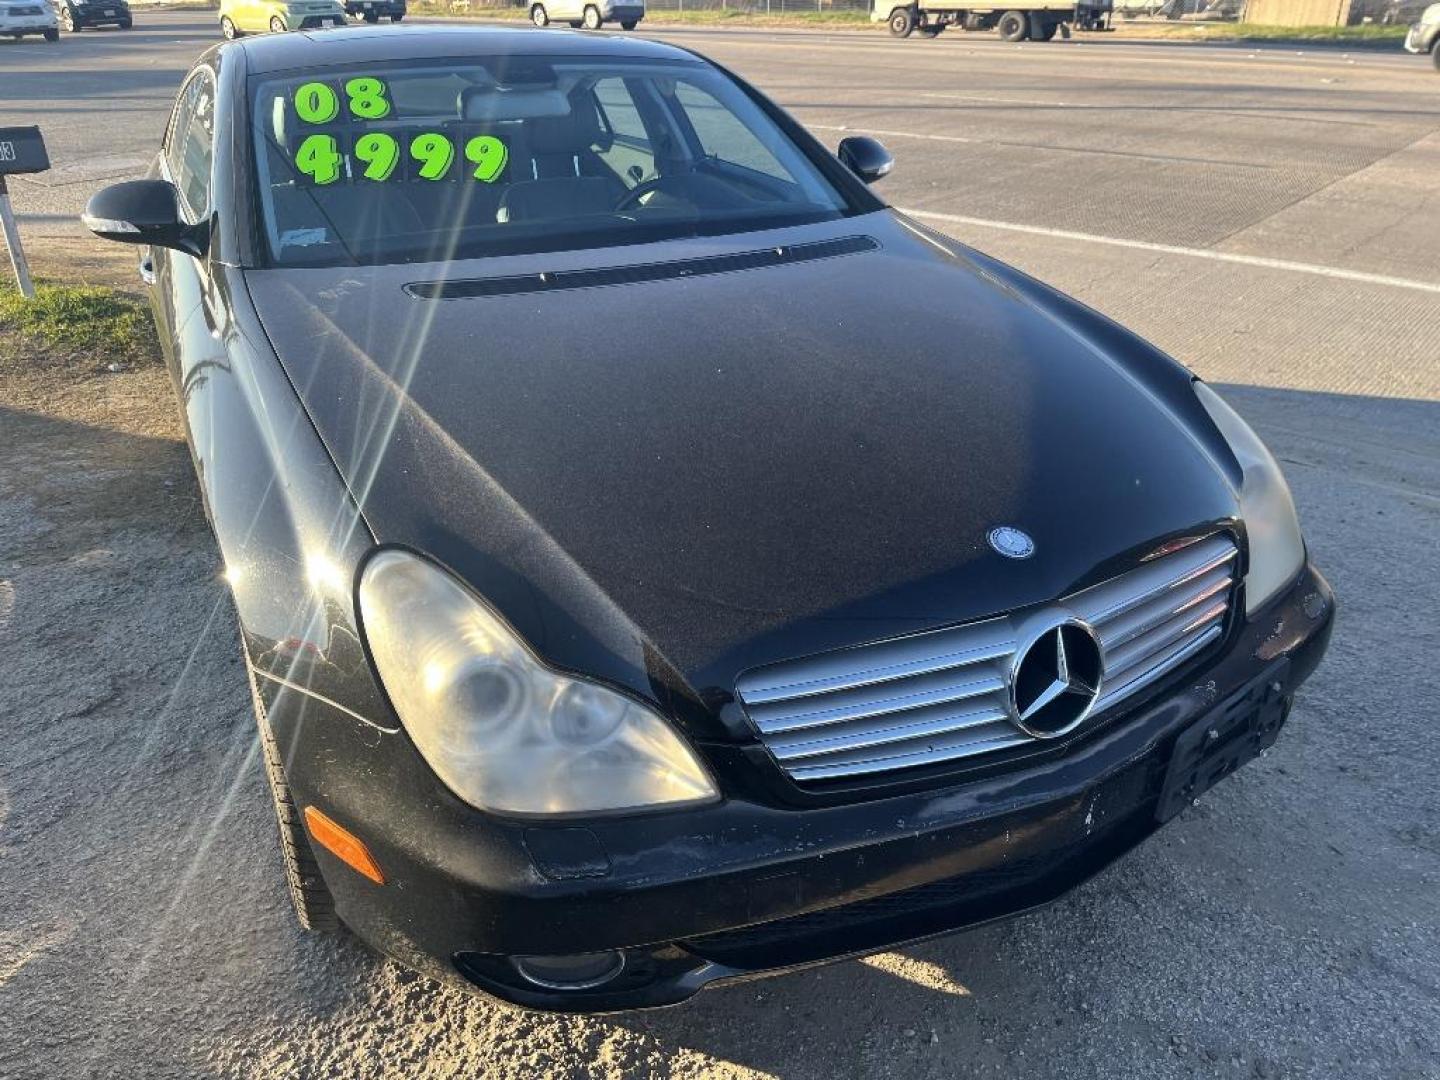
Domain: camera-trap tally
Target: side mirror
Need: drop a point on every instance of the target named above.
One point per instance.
(144, 212)
(866, 157)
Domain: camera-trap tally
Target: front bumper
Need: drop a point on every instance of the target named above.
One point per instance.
(744, 888)
(1421, 38)
(101, 16)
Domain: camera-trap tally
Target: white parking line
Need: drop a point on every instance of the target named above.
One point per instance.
(1336, 272)
(890, 134)
(1178, 159)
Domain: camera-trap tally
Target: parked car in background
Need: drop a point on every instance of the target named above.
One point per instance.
(591, 14)
(372, 11)
(78, 14)
(240, 17)
(1424, 36)
(34, 17)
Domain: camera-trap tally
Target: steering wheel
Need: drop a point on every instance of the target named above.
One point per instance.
(639, 191)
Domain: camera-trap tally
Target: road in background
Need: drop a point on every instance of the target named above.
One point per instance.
(1269, 216)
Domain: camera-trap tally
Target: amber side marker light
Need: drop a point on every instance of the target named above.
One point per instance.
(343, 844)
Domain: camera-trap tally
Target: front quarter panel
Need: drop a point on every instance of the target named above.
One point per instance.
(290, 534)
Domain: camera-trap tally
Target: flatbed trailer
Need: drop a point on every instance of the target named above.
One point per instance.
(1016, 20)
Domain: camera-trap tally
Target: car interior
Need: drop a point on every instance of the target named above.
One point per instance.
(587, 151)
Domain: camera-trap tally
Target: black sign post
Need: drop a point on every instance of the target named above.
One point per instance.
(22, 150)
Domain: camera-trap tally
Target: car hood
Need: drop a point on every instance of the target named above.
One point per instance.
(666, 482)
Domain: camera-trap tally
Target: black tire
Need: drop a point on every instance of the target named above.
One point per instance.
(932, 31)
(228, 30)
(67, 21)
(574, 25)
(51, 36)
(314, 906)
(396, 18)
(277, 25)
(1014, 26)
(539, 16)
(371, 17)
(902, 22)
(126, 24)
(630, 25)
(1435, 54)
(591, 19)
(1041, 28)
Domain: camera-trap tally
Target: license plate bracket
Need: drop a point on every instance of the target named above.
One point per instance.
(1222, 740)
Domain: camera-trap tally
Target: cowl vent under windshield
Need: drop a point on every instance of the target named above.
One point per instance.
(548, 281)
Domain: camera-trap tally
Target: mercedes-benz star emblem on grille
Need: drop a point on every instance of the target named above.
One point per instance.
(1056, 679)
(1011, 542)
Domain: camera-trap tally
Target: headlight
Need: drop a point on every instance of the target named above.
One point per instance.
(1277, 550)
(502, 730)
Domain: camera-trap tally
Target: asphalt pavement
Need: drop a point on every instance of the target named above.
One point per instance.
(1271, 216)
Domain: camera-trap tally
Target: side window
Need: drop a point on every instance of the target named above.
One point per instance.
(191, 145)
(630, 150)
(723, 136)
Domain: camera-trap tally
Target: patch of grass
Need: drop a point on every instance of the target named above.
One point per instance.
(89, 324)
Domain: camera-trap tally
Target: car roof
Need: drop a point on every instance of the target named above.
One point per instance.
(357, 45)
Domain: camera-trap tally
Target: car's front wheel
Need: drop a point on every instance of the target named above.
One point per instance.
(277, 25)
(630, 25)
(314, 906)
(396, 18)
(539, 16)
(227, 28)
(591, 21)
(51, 36)
(126, 24)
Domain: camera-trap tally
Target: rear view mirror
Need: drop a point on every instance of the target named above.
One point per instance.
(866, 157)
(144, 212)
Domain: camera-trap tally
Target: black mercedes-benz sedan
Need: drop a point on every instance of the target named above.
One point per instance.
(658, 562)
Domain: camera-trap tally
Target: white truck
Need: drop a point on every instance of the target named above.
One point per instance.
(1016, 20)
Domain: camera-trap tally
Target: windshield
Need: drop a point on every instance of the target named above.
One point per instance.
(415, 161)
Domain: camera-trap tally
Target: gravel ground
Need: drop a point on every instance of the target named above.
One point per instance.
(1285, 927)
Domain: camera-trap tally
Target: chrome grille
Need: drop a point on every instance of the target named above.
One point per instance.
(943, 695)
